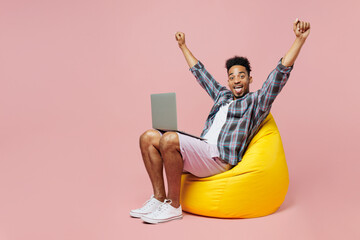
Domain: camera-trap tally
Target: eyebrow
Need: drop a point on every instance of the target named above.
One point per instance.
(233, 73)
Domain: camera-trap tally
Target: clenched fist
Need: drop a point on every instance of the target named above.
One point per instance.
(180, 38)
(301, 29)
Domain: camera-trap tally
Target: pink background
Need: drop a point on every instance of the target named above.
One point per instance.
(74, 97)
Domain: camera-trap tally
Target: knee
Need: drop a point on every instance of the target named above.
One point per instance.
(150, 137)
(170, 140)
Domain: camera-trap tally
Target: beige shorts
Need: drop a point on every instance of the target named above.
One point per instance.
(201, 158)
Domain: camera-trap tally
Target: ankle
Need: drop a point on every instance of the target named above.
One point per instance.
(160, 198)
(175, 204)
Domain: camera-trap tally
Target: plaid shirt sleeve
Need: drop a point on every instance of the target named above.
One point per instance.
(204, 78)
(272, 86)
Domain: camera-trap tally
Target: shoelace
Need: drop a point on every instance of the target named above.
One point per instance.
(144, 205)
(162, 207)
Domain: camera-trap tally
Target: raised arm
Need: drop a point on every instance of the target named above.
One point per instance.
(279, 76)
(203, 77)
(190, 59)
(302, 31)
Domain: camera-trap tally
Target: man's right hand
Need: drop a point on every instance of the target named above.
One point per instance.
(190, 59)
(180, 38)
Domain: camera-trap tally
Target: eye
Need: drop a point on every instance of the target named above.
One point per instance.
(242, 76)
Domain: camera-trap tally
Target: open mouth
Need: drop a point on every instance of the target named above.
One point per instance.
(238, 89)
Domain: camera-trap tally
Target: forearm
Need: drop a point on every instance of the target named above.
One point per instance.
(190, 59)
(290, 57)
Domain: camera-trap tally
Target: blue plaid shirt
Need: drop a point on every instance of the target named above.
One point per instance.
(245, 114)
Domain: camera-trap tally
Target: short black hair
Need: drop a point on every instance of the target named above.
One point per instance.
(243, 61)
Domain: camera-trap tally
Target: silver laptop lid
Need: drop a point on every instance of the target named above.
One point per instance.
(163, 111)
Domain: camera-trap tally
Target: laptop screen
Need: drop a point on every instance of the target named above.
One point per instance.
(163, 111)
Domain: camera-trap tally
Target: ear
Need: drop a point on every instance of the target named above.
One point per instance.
(250, 79)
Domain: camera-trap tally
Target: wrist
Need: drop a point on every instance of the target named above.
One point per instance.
(300, 39)
(182, 46)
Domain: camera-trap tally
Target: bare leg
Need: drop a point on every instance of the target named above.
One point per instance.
(173, 163)
(149, 145)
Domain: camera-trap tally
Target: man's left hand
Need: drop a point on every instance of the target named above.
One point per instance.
(301, 29)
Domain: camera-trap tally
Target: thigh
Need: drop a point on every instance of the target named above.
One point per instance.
(200, 158)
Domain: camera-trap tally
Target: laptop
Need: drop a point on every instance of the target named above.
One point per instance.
(164, 114)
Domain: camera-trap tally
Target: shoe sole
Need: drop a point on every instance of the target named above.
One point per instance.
(155, 221)
(137, 215)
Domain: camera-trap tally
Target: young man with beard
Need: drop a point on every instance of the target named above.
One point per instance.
(233, 120)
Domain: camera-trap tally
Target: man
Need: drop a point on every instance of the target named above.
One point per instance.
(233, 121)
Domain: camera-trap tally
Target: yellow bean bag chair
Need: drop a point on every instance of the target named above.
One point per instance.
(255, 187)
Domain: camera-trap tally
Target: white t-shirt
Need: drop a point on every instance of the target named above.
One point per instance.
(212, 135)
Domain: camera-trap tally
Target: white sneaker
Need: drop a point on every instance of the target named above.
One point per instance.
(165, 212)
(149, 206)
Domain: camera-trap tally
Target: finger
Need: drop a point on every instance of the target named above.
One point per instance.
(295, 24)
(302, 27)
